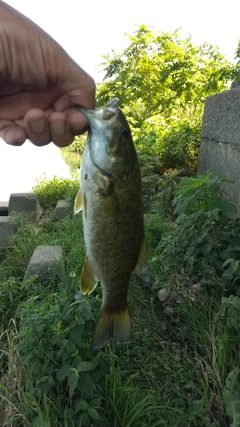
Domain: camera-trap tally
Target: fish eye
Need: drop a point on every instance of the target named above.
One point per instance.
(125, 131)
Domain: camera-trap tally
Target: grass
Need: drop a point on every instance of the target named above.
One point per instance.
(176, 371)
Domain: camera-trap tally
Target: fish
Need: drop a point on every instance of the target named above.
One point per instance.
(110, 198)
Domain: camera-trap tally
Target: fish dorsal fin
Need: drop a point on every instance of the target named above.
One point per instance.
(88, 278)
(141, 269)
(78, 204)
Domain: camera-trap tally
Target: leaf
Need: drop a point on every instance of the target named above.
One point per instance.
(50, 380)
(76, 334)
(81, 405)
(64, 372)
(72, 382)
(93, 413)
(43, 379)
(84, 366)
(86, 384)
(86, 310)
(83, 419)
(39, 422)
(231, 397)
(233, 262)
(230, 307)
(224, 205)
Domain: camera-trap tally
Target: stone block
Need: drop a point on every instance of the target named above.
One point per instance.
(220, 140)
(221, 118)
(25, 203)
(62, 209)
(46, 264)
(3, 208)
(7, 229)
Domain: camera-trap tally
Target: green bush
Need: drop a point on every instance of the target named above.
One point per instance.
(205, 239)
(54, 341)
(175, 143)
(50, 191)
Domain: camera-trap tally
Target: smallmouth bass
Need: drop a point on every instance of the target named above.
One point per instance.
(110, 197)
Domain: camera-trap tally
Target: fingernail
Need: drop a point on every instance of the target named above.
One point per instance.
(58, 127)
(38, 125)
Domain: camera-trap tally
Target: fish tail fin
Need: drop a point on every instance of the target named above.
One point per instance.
(116, 326)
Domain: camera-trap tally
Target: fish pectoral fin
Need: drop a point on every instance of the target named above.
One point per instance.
(141, 269)
(79, 201)
(116, 326)
(88, 278)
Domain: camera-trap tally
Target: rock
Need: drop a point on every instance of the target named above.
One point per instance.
(25, 203)
(163, 294)
(7, 229)
(196, 287)
(46, 264)
(62, 209)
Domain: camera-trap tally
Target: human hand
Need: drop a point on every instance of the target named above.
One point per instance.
(39, 85)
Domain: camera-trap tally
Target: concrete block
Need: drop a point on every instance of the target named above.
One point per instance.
(220, 140)
(46, 264)
(7, 229)
(62, 209)
(3, 208)
(221, 118)
(25, 203)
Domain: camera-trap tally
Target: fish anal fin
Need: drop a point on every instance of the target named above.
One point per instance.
(88, 279)
(116, 326)
(141, 269)
(78, 204)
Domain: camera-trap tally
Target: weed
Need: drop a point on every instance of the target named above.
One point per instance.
(181, 367)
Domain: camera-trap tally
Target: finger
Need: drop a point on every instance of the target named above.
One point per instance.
(59, 128)
(36, 125)
(13, 134)
(78, 122)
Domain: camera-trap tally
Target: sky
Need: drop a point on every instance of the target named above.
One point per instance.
(91, 28)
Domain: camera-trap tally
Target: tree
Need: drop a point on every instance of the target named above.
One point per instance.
(162, 81)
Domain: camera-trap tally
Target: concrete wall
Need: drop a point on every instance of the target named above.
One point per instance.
(220, 139)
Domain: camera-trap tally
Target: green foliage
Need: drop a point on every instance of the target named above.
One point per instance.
(201, 193)
(78, 144)
(230, 309)
(162, 73)
(182, 366)
(72, 154)
(47, 365)
(231, 395)
(176, 145)
(196, 267)
(126, 404)
(237, 54)
(53, 338)
(205, 239)
(162, 81)
(50, 191)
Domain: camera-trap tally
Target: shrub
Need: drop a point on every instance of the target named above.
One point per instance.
(205, 239)
(50, 191)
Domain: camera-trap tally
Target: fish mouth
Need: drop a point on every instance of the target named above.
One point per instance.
(102, 145)
(104, 113)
